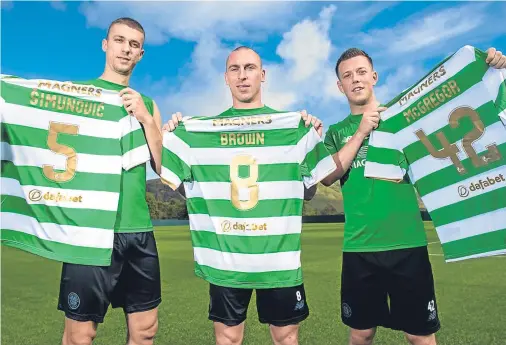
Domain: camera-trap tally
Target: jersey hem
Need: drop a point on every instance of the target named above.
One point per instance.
(124, 230)
(384, 249)
(248, 285)
(49, 255)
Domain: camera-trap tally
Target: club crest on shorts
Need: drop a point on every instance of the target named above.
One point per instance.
(346, 310)
(73, 300)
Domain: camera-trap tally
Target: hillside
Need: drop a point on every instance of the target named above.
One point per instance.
(327, 201)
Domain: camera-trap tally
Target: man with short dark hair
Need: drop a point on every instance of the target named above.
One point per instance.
(132, 281)
(386, 277)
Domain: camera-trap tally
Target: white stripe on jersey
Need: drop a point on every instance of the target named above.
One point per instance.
(266, 190)
(38, 118)
(279, 121)
(477, 225)
(107, 201)
(33, 156)
(220, 225)
(67, 234)
(247, 262)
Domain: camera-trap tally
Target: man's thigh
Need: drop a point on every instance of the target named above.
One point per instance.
(364, 303)
(282, 306)
(413, 304)
(227, 305)
(138, 287)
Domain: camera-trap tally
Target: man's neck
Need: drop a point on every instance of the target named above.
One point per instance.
(116, 78)
(250, 105)
(369, 106)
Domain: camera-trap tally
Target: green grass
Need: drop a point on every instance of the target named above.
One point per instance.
(471, 296)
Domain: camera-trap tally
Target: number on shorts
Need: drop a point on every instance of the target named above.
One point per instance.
(299, 296)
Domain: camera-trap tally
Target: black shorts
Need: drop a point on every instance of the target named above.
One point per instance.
(393, 289)
(276, 306)
(132, 281)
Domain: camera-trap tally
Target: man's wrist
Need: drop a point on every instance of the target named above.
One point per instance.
(360, 136)
(147, 120)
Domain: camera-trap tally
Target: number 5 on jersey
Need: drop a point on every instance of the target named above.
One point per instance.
(52, 142)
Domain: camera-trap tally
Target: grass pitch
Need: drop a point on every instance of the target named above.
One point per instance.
(471, 296)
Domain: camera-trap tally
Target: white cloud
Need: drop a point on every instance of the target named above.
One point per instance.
(435, 31)
(307, 45)
(397, 81)
(191, 20)
(420, 32)
(293, 83)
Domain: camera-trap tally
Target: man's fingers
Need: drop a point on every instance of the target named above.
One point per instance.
(309, 119)
(127, 97)
(496, 58)
(126, 90)
(503, 64)
(179, 116)
(380, 109)
(175, 118)
(490, 54)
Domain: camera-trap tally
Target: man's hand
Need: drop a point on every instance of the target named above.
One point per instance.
(133, 103)
(310, 119)
(495, 58)
(173, 123)
(370, 121)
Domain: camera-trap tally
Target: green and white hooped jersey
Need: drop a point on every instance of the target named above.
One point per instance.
(63, 149)
(244, 173)
(449, 132)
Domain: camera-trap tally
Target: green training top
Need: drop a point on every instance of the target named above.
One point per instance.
(380, 215)
(133, 212)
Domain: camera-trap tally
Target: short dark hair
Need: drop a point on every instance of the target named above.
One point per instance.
(243, 48)
(351, 53)
(132, 23)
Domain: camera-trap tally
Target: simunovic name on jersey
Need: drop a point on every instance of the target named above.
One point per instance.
(63, 148)
(449, 133)
(244, 174)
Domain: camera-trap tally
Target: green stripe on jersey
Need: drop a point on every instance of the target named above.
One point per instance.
(33, 176)
(264, 208)
(88, 218)
(453, 170)
(64, 104)
(249, 280)
(261, 157)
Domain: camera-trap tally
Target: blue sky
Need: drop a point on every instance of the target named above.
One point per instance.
(299, 42)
